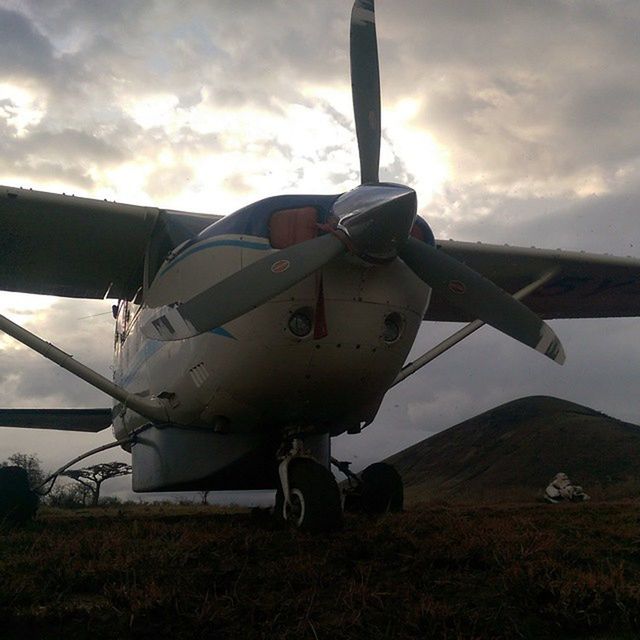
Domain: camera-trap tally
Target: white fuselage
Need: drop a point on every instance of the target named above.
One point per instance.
(254, 372)
(253, 375)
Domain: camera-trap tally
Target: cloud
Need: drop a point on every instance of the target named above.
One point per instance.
(508, 90)
(598, 224)
(80, 327)
(83, 328)
(536, 97)
(24, 51)
(169, 181)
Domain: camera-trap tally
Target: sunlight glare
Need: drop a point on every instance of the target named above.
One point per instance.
(22, 108)
(423, 158)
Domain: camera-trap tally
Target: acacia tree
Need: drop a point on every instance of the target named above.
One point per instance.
(92, 477)
(68, 496)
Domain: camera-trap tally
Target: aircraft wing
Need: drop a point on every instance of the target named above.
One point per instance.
(82, 248)
(90, 420)
(586, 285)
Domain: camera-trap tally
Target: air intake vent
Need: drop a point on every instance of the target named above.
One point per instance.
(199, 374)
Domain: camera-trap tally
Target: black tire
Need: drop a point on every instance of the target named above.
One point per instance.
(352, 502)
(317, 506)
(18, 504)
(382, 489)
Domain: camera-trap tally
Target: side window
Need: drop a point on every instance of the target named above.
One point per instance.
(120, 312)
(292, 226)
(125, 313)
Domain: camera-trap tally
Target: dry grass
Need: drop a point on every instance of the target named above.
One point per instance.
(436, 571)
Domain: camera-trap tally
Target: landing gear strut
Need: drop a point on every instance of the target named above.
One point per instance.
(308, 496)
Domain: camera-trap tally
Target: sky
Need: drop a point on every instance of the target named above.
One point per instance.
(516, 122)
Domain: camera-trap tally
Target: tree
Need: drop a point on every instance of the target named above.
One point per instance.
(92, 477)
(68, 496)
(30, 463)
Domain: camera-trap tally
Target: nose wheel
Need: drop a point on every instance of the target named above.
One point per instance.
(308, 498)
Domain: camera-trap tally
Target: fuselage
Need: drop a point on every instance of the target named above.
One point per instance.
(318, 358)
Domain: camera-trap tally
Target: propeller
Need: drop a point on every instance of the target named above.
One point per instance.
(365, 88)
(374, 221)
(480, 298)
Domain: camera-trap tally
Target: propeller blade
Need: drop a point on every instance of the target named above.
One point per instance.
(365, 88)
(243, 291)
(480, 298)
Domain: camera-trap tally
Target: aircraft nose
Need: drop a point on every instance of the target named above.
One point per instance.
(377, 218)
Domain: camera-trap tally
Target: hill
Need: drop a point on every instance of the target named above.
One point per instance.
(511, 452)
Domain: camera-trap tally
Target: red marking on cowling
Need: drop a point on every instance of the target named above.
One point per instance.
(455, 286)
(280, 266)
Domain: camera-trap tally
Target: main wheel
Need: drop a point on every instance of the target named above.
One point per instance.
(18, 504)
(315, 498)
(382, 489)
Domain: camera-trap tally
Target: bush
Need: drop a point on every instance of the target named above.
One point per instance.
(18, 504)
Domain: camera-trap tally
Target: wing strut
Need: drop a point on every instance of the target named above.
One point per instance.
(465, 332)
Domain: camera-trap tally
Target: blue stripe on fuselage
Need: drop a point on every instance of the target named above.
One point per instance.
(252, 221)
(221, 331)
(207, 244)
(149, 348)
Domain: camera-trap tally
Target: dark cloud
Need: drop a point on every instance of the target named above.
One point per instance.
(600, 224)
(68, 145)
(66, 155)
(241, 53)
(25, 52)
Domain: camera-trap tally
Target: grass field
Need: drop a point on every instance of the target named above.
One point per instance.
(435, 571)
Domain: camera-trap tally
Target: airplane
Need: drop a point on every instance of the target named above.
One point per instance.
(244, 343)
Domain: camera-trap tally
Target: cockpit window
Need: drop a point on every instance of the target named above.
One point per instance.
(292, 226)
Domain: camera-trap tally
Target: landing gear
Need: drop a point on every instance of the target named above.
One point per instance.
(308, 497)
(379, 489)
(18, 504)
(314, 499)
(313, 503)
